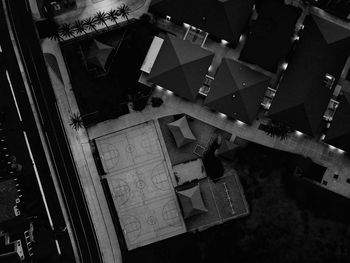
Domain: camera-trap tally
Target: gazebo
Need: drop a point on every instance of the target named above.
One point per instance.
(181, 132)
(98, 54)
(237, 91)
(180, 67)
(191, 201)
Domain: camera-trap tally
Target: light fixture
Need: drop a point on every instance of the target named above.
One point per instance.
(222, 115)
(284, 65)
(240, 123)
(331, 147)
(159, 88)
(241, 38)
(168, 18)
(298, 133)
(186, 25)
(340, 151)
(169, 92)
(224, 42)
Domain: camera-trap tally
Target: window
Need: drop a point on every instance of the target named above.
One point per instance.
(348, 180)
(335, 176)
(324, 182)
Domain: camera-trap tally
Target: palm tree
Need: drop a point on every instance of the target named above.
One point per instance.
(90, 23)
(101, 18)
(112, 15)
(56, 35)
(79, 27)
(76, 121)
(66, 31)
(124, 11)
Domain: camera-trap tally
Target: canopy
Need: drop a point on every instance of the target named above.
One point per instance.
(181, 132)
(302, 97)
(237, 91)
(191, 201)
(225, 19)
(338, 134)
(98, 54)
(181, 67)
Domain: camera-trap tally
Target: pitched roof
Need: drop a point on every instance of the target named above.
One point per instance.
(269, 38)
(181, 67)
(181, 132)
(225, 19)
(237, 91)
(191, 201)
(338, 134)
(301, 98)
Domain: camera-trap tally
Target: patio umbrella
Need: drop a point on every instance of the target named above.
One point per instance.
(180, 67)
(98, 54)
(191, 201)
(237, 91)
(181, 132)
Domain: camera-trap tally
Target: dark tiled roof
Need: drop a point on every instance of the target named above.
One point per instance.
(225, 19)
(301, 98)
(269, 39)
(181, 67)
(237, 91)
(338, 134)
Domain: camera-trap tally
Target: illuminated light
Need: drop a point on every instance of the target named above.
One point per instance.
(168, 18)
(340, 151)
(323, 136)
(210, 68)
(241, 38)
(186, 25)
(284, 65)
(301, 27)
(331, 147)
(224, 42)
(240, 123)
(295, 38)
(193, 28)
(159, 88)
(328, 76)
(298, 133)
(253, 7)
(169, 92)
(222, 115)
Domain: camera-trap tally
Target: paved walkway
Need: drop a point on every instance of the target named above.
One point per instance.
(322, 154)
(79, 142)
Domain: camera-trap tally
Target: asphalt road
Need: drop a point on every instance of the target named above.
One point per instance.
(45, 101)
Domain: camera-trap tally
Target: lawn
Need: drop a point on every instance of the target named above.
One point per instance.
(283, 226)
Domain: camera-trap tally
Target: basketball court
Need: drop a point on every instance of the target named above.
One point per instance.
(141, 185)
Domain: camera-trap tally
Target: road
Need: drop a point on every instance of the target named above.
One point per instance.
(45, 103)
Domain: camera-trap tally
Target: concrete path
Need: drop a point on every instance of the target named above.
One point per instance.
(321, 153)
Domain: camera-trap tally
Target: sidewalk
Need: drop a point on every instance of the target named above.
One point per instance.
(79, 143)
(320, 153)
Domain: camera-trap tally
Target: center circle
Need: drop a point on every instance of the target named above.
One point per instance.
(140, 184)
(130, 148)
(151, 220)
